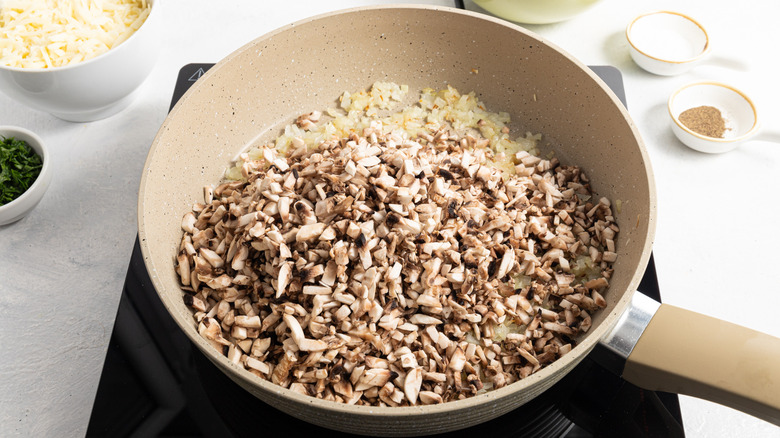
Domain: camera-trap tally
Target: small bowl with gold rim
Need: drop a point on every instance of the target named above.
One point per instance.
(712, 117)
(667, 43)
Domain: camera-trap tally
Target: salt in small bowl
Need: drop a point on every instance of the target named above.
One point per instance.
(667, 43)
(736, 108)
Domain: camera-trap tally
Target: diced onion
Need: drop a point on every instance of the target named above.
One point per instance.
(356, 111)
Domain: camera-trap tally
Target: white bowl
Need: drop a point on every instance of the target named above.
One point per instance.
(93, 89)
(666, 43)
(735, 107)
(19, 207)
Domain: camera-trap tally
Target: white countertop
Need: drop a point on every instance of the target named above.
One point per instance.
(63, 266)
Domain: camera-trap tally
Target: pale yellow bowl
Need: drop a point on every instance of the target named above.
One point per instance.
(536, 11)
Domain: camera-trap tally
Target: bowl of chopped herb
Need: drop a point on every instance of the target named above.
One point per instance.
(25, 172)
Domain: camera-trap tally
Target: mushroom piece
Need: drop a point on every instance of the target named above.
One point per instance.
(430, 398)
(412, 384)
(285, 275)
(310, 232)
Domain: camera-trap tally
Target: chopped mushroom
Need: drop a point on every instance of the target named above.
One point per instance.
(386, 269)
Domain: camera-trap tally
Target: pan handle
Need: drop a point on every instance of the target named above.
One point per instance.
(688, 353)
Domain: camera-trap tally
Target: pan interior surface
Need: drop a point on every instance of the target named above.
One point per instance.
(247, 97)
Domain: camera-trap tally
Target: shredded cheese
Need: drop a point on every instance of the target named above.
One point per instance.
(55, 33)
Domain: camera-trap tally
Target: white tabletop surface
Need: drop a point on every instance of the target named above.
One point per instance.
(63, 266)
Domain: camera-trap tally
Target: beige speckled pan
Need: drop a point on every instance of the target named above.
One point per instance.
(307, 65)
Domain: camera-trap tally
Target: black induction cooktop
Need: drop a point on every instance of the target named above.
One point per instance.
(156, 383)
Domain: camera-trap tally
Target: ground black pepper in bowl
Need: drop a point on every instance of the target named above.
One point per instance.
(705, 120)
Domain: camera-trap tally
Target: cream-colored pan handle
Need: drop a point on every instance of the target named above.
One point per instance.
(688, 353)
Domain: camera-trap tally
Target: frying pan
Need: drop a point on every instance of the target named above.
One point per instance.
(247, 97)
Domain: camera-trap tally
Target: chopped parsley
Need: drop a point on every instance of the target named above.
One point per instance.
(19, 167)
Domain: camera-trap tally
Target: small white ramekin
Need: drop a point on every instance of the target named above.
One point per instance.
(735, 106)
(666, 43)
(19, 207)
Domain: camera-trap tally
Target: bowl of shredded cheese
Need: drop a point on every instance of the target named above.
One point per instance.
(78, 60)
